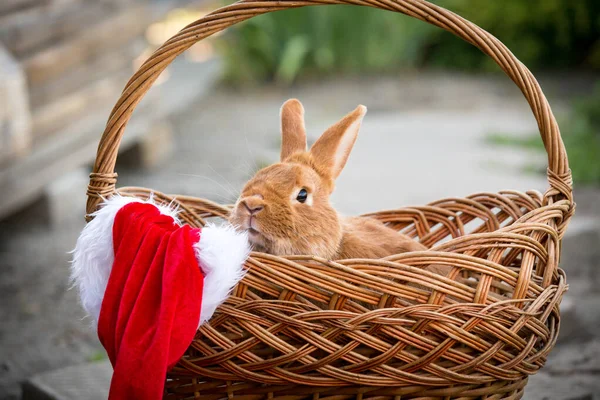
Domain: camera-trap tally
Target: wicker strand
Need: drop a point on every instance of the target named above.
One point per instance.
(101, 186)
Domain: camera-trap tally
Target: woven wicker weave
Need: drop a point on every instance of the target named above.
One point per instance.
(308, 328)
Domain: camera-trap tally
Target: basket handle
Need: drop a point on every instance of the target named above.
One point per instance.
(103, 178)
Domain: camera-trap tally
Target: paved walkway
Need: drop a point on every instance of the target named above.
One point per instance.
(422, 139)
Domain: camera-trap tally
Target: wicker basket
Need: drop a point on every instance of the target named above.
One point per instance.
(308, 328)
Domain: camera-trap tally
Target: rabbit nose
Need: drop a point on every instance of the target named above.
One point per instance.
(253, 210)
(254, 204)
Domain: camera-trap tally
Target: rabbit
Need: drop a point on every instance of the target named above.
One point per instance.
(285, 207)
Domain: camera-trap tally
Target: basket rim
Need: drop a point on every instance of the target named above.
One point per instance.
(544, 218)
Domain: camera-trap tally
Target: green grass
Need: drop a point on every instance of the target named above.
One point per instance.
(583, 148)
(97, 356)
(581, 136)
(504, 140)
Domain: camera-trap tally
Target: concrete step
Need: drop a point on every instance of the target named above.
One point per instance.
(89, 381)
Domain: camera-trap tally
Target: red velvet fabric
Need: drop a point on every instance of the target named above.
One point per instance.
(151, 306)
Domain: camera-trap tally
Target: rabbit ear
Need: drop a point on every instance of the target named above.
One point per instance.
(330, 152)
(293, 134)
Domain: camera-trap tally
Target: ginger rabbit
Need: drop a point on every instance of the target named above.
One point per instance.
(285, 207)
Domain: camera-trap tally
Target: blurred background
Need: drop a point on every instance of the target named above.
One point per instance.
(443, 121)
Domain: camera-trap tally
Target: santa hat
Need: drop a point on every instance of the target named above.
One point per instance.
(149, 282)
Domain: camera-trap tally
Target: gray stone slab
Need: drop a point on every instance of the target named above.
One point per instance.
(15, 116)
(571, 373)
(544, 386)
(90, 381)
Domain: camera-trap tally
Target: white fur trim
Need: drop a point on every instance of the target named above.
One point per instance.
(221, 253)
(93, 255)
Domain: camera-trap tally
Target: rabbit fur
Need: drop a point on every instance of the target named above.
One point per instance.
(285, 208)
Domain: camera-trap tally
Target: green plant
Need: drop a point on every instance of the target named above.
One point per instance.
(285, 45)
(318, 40)
(541, 33)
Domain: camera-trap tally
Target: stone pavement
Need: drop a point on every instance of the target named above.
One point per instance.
(422, 139)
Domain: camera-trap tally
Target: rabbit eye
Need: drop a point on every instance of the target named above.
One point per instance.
(302, 195)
